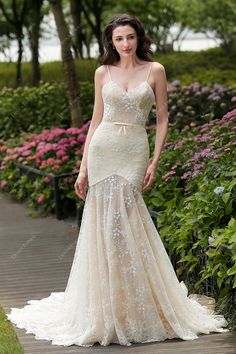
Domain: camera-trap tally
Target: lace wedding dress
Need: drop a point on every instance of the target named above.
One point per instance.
(122, 287)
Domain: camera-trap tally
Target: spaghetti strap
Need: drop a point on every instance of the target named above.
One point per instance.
(109, 72)
(149, 71)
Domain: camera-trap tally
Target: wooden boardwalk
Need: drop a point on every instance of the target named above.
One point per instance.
(35, 259)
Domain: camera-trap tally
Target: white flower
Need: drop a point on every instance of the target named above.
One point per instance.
(210, 240)
(219, 190)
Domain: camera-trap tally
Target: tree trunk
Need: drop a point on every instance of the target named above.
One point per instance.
(76, 11)
(35, 68)
(68, 63)
(100, 44)
(95, 8)
(34, 33)
(99, 30)
(19, 60)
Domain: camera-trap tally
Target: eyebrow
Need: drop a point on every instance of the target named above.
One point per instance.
(127, 35)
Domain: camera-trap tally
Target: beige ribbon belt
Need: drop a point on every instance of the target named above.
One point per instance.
(123, 126)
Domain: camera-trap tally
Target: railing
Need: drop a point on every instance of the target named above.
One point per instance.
(54, 179)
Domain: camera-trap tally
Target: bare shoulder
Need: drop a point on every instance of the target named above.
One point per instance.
(158, 74)
(158, 68)
(101, 70)
(100, 73)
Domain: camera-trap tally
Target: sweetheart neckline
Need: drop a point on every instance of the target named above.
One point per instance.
(134, 88)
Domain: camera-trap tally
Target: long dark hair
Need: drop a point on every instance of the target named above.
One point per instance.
(143, 51)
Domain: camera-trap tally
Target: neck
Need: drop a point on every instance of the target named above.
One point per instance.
(128, 62)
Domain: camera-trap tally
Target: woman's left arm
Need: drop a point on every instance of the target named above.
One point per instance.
(161, 111)
(160, 86)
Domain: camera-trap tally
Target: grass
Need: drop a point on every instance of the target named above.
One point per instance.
(50, 72)
(9, 343)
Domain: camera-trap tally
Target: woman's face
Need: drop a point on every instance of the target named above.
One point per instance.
(125, 41)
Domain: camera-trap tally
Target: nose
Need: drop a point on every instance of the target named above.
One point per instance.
(125, 42)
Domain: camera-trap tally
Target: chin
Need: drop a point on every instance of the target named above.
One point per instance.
(128, 54)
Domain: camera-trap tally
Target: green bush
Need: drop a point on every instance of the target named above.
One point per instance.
(198, 103)
(205, 66)
(195, 198)
(32, 109)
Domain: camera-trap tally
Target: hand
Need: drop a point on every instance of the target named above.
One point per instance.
(150, 176)
(80, 185)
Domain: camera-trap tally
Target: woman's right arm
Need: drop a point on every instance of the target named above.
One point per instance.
(96, 117)
(81, 181)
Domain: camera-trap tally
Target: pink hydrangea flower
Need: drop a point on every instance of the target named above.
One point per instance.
(55, 168)
(47, 179)
(3, 184)
(60, 153)
(65, 158)
(41, 198)
(81, 138)
(73, 131)
(26, 153)
(186, 175)
(230, 114)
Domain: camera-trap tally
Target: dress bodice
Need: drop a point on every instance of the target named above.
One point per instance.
(131, 106)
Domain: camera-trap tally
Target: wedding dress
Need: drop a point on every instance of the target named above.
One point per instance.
(122, 287)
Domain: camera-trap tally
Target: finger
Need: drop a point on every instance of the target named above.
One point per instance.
(78, 193)
(146, 178)
(149, 183)
(146, 188)
(82, 192)
(78, 190)
(145, 181)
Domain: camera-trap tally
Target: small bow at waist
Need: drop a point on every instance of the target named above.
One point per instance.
(123, 126)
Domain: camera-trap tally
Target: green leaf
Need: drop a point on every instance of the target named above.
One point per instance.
(231, 173)
(219, 282)
(234, 284)
(229, 208)
(232, 270)
(232, 183)
(226, 197)
(216, 267)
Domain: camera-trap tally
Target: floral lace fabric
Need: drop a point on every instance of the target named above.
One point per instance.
(122, 287)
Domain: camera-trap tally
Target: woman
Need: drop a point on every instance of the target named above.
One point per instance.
(122, 287)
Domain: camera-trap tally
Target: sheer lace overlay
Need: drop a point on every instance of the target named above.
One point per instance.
(122, 287)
